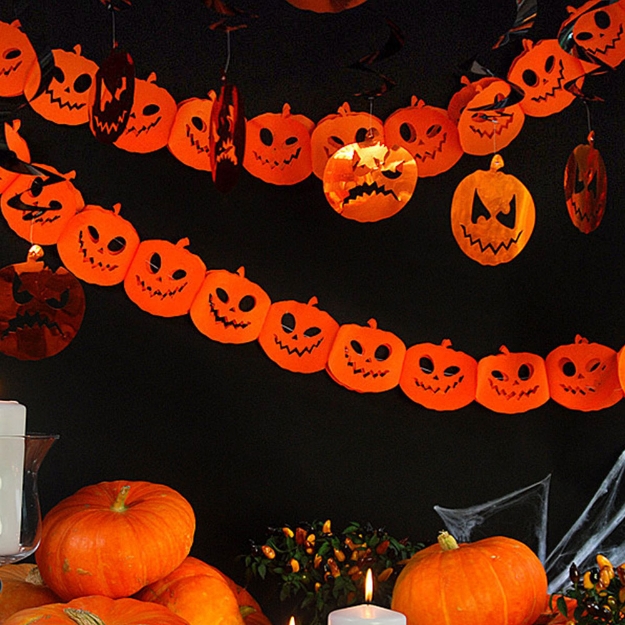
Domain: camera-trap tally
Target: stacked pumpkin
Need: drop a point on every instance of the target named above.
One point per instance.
(118, 553)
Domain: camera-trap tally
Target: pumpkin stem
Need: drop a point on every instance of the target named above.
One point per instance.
(246, 610)
(34, 577)
(447, 541)
(119, 505)
(82, 617)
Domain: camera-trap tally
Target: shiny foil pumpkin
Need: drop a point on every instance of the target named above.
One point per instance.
(369, 181)
(19, 147)
(427, 133)
(366, 359)
(17, 57)
(492, 215)
(325, 6)
(229, 307)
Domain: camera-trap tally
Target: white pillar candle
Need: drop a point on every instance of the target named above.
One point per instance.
(366, 614)
(12, 423)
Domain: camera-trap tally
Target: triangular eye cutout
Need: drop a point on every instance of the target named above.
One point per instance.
(478, 210)
(579, 181)
(592, 185)
(508, 219)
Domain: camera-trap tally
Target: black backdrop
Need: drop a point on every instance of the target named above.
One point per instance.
(249, 444)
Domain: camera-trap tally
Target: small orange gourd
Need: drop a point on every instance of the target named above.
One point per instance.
(21, 587)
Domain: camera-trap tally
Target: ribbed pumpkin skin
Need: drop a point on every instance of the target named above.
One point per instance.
(18, 592)
(495, 581)
(89, 547)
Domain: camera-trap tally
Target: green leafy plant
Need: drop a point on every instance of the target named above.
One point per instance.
(325, 570)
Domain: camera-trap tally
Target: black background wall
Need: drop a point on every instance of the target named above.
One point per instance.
(252, 445)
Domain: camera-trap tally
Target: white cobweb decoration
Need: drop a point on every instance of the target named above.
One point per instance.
(523, 515)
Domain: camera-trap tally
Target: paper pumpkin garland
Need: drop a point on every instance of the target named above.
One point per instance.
(17, 56)
(19, 147)
(326, 6)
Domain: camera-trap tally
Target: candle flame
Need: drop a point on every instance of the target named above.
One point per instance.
(369, 586)
(292, 621)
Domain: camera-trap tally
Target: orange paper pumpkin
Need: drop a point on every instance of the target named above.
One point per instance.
(18, 146)
(188, 139)
(151, 118)
(365, 358)
(229, 307)
(427, 133)
(485, 125)
(277, 147)
(543, 71)
(438, 377)
(339, 129)
(492, 215)
(325, 6)
(512, 382)
(584, 376)
(65, 100)
(17, 57)
(41, 310)
(163, 277)
(37, 208)
(98, 245)
(585, 186)
(369, 181)
(298, 336)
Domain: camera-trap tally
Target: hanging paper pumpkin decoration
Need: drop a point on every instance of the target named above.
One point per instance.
(188, 139)
(163, 277)
(584, 376)
(492, 215)
(585, 186)
(325, 6)
(366, 359)
(16, 144)
(41, 310)
(369, 181)
(151, 118)
(277, 147)
(227, 137)
(485, 123)
(66, 98)
(98, 245)
(339, 129)
(17, 57)
(543, 71)
(298, 336)
(511, 382)
(438, 377)
(37, 208)
(112, 96)
(427, 133)
(229, 307)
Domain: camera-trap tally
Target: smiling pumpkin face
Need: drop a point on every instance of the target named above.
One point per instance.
(17, 58)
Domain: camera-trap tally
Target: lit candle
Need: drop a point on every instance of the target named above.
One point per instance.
(12, 423)
(366, 613)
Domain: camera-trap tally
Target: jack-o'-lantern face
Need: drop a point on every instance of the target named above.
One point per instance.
(369, 181)
(543, 71)
(340, 129)
(298, 336)
(428, 134)
(151, 118)
(584, 376)
(229, 307)
(512, 382)
(585, 186)
(492, 215)
(16, 144)
(163, 278)
(98, 245)
(188, 140)
(485, 123)
(37, 208)
(277, 147)
(17, 58)
(366, 359)
(438, 377)
(41, 310)
(65, 100)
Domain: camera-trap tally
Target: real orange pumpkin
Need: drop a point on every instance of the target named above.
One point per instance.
(21, 587)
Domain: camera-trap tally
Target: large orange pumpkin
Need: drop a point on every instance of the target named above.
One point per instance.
(21, 587)
(113, 538)
(494, 580)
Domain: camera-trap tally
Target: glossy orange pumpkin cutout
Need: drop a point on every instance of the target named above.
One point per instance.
(277, 147)
(584, 376)
(298, 336)
(492, 215)
(163, 277)
(427, 133)
(512, 382)
(65, 100)
(326, 6)
(98, 245)
(438, 377)
(229, 307)
(17, 57)
(340, 129)
(366, 359)
(18, 146)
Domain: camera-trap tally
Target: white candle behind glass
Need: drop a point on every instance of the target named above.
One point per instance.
(12, 423)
